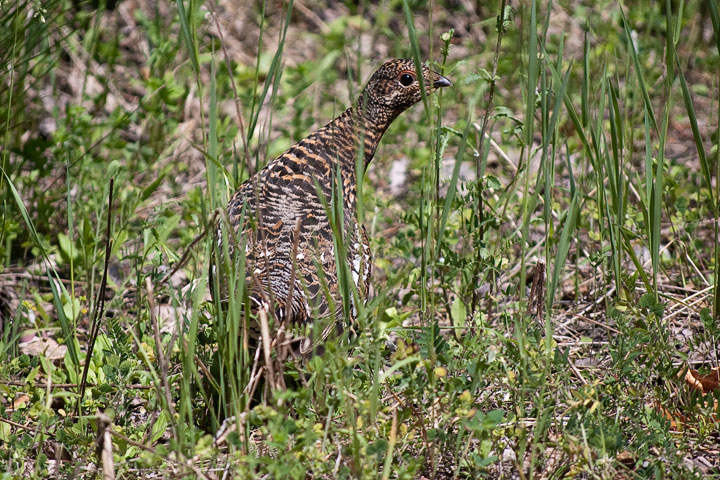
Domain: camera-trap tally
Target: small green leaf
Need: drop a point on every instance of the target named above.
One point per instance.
(147, 191)
(378, 447)
(66, 247)
(481, 75)
(491, 181)
(72, 309)
(159, 427)
(458, 312)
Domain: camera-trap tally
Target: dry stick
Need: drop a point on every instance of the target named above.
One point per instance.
(685, 308)
(241, 121)
(498, 149)
(577, 373)
(20, 383)
(689, 300)
(478, 165)
(595, 322)
(337, 461)
(200, 364)
(159, 352)
(150, 421)
(504, 156)
(17, 425)
(265, 332)
(104, 447)
(229, 426)
(313, 18)
(17, 276)
(296, 240)
(251, 394)
(99, 306)
(255, 372)
(598, 301)
(679, 288)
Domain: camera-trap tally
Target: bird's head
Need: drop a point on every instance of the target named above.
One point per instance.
(394, 87)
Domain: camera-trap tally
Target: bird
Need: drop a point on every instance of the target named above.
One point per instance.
(280, 214)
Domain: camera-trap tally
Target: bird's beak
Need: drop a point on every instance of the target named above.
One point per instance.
(441, 81)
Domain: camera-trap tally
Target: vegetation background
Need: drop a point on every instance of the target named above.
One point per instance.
(545, 240)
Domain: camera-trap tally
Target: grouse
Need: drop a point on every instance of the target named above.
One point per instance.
(280, 214)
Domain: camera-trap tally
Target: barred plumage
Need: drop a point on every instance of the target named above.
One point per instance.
(290, 256)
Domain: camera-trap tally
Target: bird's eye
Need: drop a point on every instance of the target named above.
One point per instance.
(406, 79)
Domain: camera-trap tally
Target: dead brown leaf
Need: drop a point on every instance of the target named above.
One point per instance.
(676, 419)
(20, 401)
(704, 383)
(47, 347)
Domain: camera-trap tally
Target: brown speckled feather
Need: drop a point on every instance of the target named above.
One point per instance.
(279, 210)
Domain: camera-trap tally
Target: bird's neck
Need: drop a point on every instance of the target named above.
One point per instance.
(369, 127)
(356, 131)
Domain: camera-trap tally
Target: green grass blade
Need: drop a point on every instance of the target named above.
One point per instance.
(715, 17)
(529, 132)
(415, 48)
(638, 70)
(699, 145)
(614, 167)
(452, 187)
(53, 277)
(564, 245)
(585, 92)
(532, 78)
(273, 72)
(648, 171)
(187, 36)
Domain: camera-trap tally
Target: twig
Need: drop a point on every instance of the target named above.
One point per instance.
(312, 17)
(104, 447)
(255, 373)
(577, 373)
(598, 301)
(229, 426)
(337, 461)
(585, 318)
(99, 306)
(265, 332)
(20, 383)
(17, 425)
(296, 240)
(498, 149)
